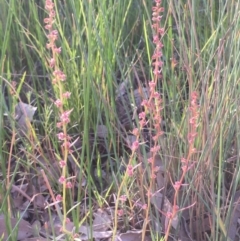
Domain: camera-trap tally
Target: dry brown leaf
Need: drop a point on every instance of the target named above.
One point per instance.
(51, 166)
(102, 220)
(158, 162)
(15, 188)
(127, 107)
(122, 88)
(102, 131)
(39, 201)
(77, 169)
(157, 200)
(130, 140)
(18, 202)
(24, 228)
(36, 227)
(160, 180)
(129, 236)
(86, 233)
(55, 225)
(36, 239)
(232, 229)
(23, 114)
(167, 208)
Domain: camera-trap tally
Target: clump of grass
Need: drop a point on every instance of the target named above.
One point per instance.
(98, 39)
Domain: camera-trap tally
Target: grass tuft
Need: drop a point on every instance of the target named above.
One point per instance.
(153, 130)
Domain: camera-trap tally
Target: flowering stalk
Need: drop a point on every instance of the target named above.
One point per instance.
(130, 168)
(153, 105)
(58, 78)
(152, 112)
(187, 164)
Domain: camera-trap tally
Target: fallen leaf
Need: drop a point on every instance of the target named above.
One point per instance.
(23, 114)
(87, 233)
(36, 239)
(129, 236)
(102, 131)
(130, 140)
(102, 220)
(157, 200)
(232, 228)
(23, 227)
(55, 225)
(36, 226)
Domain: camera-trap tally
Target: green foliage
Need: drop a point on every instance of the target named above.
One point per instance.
(103, 43)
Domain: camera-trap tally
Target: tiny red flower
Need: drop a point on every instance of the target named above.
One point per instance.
(59, 198)
(120, 212)
(150, 160)
(123, 198)
(46, 20)
(58, 103)
(62, 179)
(155, 149)
(65, 116)
(57, 50)
(67, 94)
(177, 185)
(62, 163)
(69, 185)
(144, 206)
(142, 115)
(130, 170)
(135, 145)
(61, 136)
(48, 26)
(59, 124)
(135, 132)
(52, 62)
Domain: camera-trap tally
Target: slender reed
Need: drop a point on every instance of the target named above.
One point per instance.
(64, 115)
(153, 106)
(187, 163)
